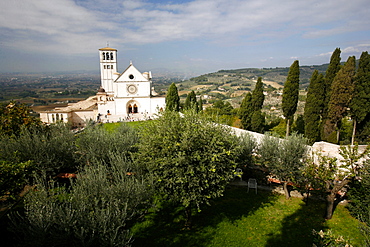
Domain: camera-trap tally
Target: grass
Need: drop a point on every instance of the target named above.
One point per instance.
(113, 126)
(246, 219)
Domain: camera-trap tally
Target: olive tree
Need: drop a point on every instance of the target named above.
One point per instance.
(284, 158)
(96, 143)
(14, 116)
(50, 148)
(96, 210)
(190, 158)
(247, 148)
(330, 175)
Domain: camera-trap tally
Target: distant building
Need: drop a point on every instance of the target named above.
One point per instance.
(122, 96)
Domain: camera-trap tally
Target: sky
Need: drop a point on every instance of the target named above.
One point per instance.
(188, 36)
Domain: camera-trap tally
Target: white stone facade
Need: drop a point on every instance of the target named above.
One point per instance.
(125, 96)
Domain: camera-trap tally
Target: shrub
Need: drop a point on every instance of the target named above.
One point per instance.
(51, 148)
(13, 177)
(14, 116)
(97, 210)
(284, 158)
(248, 145)
(322, 239)
(96, 143)
(191, 158)
(359, 196)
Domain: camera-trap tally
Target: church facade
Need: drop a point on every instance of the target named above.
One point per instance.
(122, 96)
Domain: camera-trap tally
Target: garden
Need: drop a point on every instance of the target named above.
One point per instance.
(167, 183)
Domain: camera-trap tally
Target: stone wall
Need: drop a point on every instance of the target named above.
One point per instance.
(324, 148)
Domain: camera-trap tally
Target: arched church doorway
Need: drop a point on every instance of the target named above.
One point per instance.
(132, 107)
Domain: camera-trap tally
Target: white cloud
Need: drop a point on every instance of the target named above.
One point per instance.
(40, 25)
(326, 54)
(132, 4)
(266, 59)
(355, 50)
(350, 49)
(80, 26)
(200, 18)
(214, 18)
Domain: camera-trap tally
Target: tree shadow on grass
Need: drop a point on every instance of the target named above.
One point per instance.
(297, 228)
(165, 227)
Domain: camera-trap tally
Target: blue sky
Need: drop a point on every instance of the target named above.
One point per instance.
(193, 37)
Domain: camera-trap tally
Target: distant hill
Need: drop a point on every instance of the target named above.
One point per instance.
(233, 82)
(277, 74)
(231, 85)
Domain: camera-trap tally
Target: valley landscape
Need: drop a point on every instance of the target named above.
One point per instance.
(45, 91)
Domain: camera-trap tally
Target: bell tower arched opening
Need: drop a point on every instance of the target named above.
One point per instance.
(108, 68)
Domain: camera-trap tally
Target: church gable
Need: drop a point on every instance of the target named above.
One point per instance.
(131, 74)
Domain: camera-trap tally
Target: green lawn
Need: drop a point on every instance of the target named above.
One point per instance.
(113, 126)
(246, 219)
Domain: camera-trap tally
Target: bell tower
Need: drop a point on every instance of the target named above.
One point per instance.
(108, 67)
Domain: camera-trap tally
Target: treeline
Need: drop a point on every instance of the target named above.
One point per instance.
(337, 107)
(275, 74)
(341, 96)
(75, 92)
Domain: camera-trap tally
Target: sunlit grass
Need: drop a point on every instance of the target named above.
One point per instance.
(246, 219)
(344, 224)
(113, 126)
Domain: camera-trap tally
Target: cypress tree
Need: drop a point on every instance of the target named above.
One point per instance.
(314, 107)
(340, 97)
(290, 94)
(299, 125)
(246, 112)
(200, 104)
(191, 101)
(257, 95)
(320, 95)
(187, 101)
(331, 72)
(257, 119)
(363, 130)
(172, 98)
(360, 104)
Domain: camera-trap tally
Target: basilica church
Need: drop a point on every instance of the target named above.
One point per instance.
(126, 96)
